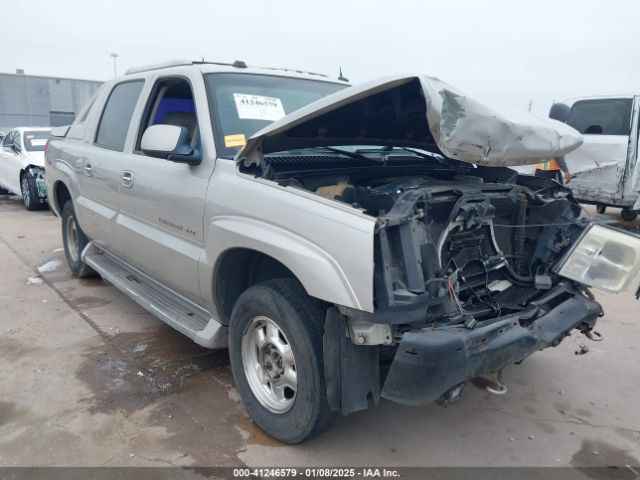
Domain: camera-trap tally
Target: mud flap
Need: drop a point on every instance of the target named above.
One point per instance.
(352, 372)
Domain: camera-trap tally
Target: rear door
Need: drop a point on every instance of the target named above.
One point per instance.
(160, 222)
(99, 163)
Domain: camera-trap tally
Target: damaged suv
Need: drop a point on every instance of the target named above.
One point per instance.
(366, 242)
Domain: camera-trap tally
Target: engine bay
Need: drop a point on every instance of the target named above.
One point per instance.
(464, 244)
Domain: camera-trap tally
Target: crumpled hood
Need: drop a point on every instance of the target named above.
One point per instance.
(419, 112)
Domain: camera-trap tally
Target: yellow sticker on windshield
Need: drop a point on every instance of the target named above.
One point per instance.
(237, 140)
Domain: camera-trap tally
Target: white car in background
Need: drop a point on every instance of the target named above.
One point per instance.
(22, 165)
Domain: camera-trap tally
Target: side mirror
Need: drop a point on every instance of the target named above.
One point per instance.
(171, 143)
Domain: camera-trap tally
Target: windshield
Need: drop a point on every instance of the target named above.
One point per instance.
(35, 140)
(242, 104)
(606, 116)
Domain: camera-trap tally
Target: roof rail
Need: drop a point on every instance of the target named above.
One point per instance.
(184, 62)
(158, 66)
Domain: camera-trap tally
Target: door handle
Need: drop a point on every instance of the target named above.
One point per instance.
(88, 169)
(127, 179)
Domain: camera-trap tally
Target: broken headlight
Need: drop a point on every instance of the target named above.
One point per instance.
(604, 258)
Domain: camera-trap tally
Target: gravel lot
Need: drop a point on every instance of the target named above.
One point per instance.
(88, 378)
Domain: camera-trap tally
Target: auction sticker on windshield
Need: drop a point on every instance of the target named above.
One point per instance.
(258, 107)
(237, 140)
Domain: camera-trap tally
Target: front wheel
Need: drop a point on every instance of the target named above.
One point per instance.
(601, 209)
(275, 348)
(74, 240)
(629, 215)
(30, 192)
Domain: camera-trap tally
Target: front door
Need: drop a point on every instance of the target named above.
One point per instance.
(160, 222)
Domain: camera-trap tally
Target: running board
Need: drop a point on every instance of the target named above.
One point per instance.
(170, 307)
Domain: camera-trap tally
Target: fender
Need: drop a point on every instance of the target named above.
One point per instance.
(65, 174)
(317, 270)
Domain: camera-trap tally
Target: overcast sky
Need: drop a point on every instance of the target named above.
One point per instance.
(504, 52)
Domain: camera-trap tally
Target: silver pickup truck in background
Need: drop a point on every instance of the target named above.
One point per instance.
(345, 243)
(606, 167)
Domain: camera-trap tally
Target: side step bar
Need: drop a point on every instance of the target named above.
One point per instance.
(170, 307)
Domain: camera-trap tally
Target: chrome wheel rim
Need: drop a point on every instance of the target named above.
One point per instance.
(25, 191)
(72, 239)
(269, 365)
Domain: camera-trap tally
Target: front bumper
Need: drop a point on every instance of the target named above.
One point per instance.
(429, 362)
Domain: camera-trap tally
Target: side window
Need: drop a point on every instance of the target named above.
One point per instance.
(604, 116)
(17, 140)
(116, 116)
(7, 140)
(170, 103)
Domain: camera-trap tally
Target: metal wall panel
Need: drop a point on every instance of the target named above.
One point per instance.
(27, 100)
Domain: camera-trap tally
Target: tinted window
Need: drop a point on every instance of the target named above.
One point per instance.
(34, 141)
(607, 116)
(8, 139)
(242, 104)
(116, 117)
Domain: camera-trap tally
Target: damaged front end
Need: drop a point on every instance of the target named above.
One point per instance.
(38, 174)
(475, 266)
(464, 284)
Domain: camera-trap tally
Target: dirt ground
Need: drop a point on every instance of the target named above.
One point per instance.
(88, 378)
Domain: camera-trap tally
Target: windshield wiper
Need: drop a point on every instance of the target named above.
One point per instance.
(355, 155)
(433, 156)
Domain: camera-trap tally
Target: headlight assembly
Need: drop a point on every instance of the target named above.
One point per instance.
(604, 258)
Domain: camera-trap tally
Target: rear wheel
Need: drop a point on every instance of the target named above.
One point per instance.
(275, 348)
(601, 209)
(629, 215)
(74, 240)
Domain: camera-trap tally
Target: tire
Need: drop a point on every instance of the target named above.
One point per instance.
(601, 209)
(298, 413)
(629, 215)
(30, 192)
(74, 240)
(4, 191)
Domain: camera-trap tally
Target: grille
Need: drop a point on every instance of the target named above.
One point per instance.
(439, 211)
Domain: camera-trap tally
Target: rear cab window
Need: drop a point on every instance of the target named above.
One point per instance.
(603, 116)
(116, 115)
(35, 140)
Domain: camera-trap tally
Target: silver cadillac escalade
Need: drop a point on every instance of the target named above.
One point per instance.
(345, 243)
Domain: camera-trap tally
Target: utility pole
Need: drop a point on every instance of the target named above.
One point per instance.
(115, 70)
(530, 103)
